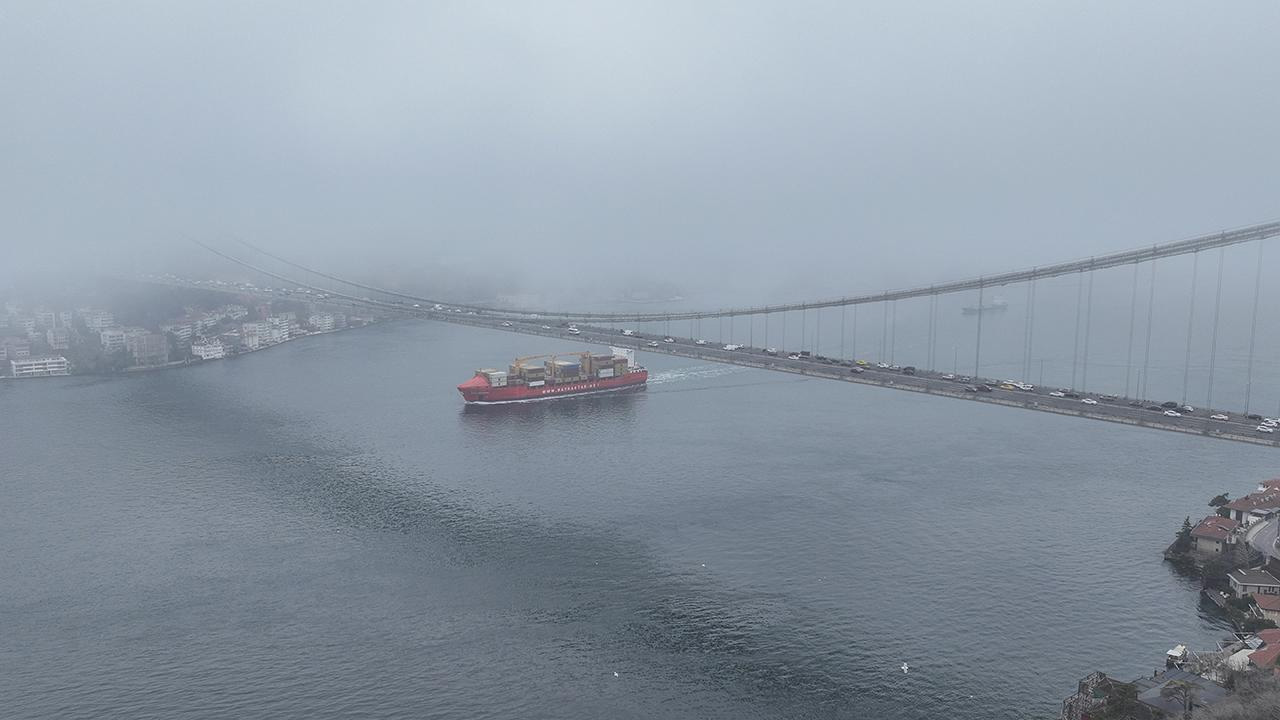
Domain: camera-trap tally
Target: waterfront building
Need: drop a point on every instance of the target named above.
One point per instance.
(249, 341)
(1253, 582)
(208, 350)
(279, 325)
(39, 367)
(58, 338)
(112, 340)
(1212, 535)
(1159, 704)
(147, 348)
(322, 322)
(1256, 506)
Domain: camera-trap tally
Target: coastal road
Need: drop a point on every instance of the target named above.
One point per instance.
(1263, 538)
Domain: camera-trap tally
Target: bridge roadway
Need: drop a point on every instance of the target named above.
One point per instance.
(930, 383)
(1238, 428)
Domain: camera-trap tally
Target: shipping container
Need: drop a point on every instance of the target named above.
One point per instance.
(604, 373)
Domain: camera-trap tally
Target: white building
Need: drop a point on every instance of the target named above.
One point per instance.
(183, 331)
(322, 321)
(112, 340)
(64, 318)
(279, 325)
(97, 319)
(208, 350)
(39, 367)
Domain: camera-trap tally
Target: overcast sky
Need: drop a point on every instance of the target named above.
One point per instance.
(841, 146)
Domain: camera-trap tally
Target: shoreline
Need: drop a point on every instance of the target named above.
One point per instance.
(176, 364)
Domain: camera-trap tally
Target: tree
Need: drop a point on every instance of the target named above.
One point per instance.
(1183, 543)
(1181, 692)
(1219, 500)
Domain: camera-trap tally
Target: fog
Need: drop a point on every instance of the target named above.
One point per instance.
(735, 150)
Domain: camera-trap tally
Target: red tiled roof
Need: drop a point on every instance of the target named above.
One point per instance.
(1268, 602)
(1268, 499)
(1214, 527)
(1273, 483)
(1266, 657)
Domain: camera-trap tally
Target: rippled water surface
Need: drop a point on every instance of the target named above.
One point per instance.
(321, 531)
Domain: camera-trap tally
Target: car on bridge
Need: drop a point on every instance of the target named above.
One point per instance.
(1089, 401)
(1057, 393)
(771, 351)
(699, 342)
(1172, 413)
(506, 323)
(668, 339)
(629, 333)
(652, 343)
(1265, 429)
(1219, 417)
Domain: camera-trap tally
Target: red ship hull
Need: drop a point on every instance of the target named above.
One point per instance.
(478, 391)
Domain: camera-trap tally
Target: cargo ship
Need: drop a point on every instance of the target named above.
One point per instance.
(545, 377)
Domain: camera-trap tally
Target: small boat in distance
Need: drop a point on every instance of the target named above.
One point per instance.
(545, 377)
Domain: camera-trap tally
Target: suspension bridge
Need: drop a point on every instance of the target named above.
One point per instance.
(679, 332)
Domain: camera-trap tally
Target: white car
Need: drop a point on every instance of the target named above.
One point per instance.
(1266, 429)
(699, 342)
(1172, 413)
(546, 327)
(793, 357)
(771, 351)
(1057, 393)
(652, 343)
(949, 376)
(732, 347)
(1269, 422)
(574, 331)
(1089, 401)
(883, 365)
(1219, 416)
(668, 339)
(506, 323)
(629, 333)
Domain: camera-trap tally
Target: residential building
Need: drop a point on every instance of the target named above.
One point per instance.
(112, 340)
(208, 349)
(1269, 606)
(250, 341)
(1158, 704)
(279, 327)
(1253, 582)
(322, 322)
(183, 331)
(147, 348)
(39, 367)
(28, 327)
(1268, 653)
(64, 319)
(1213, 534)
(58, 338)
(1255, 506)
(46, 319)
(96, 320)
(16, 348)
